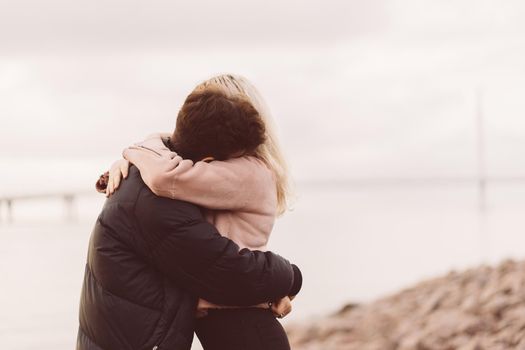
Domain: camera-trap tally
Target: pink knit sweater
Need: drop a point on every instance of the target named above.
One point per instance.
(239, 194)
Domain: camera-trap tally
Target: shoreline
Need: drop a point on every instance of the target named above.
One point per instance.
(478, 308)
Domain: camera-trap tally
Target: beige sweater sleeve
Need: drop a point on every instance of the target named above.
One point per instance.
(235, 184)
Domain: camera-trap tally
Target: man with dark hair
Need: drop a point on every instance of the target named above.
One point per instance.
(150, 258)
(213, 124)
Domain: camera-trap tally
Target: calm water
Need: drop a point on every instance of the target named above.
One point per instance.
(352, 243)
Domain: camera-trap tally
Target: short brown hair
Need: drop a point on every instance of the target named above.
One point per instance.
(212, 124)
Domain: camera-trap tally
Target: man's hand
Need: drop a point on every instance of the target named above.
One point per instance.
(282, 307)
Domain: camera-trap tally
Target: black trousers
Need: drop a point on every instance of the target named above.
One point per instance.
(241, 329)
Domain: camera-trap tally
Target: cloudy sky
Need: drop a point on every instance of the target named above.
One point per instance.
(377, 88)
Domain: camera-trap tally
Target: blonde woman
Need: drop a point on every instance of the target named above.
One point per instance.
(241, 193)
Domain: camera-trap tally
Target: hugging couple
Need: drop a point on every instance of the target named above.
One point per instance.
(180, 244)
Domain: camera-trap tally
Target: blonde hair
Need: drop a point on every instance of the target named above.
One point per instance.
(270, 151)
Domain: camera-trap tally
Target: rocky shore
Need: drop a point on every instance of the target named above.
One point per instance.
(478, 309)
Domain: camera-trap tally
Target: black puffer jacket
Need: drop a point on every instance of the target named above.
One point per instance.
(150, 257)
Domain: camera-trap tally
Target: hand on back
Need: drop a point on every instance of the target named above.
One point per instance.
(110, 180)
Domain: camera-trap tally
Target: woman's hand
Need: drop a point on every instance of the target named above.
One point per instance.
(117, 172)
(282, 307)
(102, 183)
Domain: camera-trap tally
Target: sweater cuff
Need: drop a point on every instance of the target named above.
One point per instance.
(297, 281)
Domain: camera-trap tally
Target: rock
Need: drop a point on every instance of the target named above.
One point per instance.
(478, 309)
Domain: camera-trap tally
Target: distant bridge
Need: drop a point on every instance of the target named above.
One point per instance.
(69, 199)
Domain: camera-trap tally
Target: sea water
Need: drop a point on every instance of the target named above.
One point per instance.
(353, 243)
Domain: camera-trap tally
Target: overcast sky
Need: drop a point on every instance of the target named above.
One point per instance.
(367, 88)
(168, 24)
